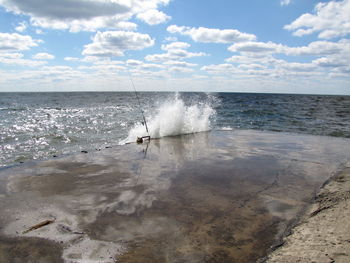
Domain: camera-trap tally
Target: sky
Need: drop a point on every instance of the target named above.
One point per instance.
(269, 46)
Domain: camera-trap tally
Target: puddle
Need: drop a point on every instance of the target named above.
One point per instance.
(222, 196)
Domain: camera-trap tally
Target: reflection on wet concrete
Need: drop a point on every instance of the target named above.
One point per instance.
(221, 196)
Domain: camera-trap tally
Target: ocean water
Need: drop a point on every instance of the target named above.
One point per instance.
(42, 125)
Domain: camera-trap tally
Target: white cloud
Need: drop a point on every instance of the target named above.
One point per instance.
(182, 64)
(296, 67)
(87, 15)
(317, 48)
(278, 69)
(337, 61)
(174, 54)
(170, 39)
(88, 25)
(212, 35)
(134, 62)
(219, 68)
(107, 61)
(22, 62)
(265, 47)
(17, 59)
(223, 69)
(176, 45)
(140, 6)
(285, 2)
(11, 55)
(21, 27)
(249, 58)
(104, 68)
(112, 67)
(320, 48)
(180, 70)
(128, 26)
(15, 42)
(251, 66)
(153, 17)
(174, 51)
(44, 56)
(330, 62)
(115, 43)
(71, 59)
(39, 31)
(151, 66)
(332, 19)
(331, 57)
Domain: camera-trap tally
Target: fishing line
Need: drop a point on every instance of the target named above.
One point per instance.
(138, 100)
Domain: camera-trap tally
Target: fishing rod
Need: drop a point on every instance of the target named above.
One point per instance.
(138, 101)
(139, 140)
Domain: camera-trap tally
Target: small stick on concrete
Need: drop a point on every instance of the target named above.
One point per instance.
(41, 224)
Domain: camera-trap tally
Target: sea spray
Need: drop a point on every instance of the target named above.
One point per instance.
(174, 117)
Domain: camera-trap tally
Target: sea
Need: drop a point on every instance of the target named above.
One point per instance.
(44, 125)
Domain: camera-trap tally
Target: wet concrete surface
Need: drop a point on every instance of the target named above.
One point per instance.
(221, 196)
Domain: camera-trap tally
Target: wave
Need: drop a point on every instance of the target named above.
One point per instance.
(174, 117)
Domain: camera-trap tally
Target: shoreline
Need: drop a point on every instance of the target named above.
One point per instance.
(323, 232)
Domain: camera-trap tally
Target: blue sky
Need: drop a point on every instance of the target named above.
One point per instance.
(280, 46)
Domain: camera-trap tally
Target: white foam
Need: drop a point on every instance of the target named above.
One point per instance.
(174, 117)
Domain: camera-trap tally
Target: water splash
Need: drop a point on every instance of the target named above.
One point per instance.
(174, 117)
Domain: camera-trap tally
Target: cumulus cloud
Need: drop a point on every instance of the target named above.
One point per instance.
(17, 59)
(71, 59)
(330, 62)
(256, 47)
(176, 45)
(124, 25)
(39, 31)
(142, 65)
(21, 27)
(44, 56)
(103, 68)
(285, 2)
(11, 55)
(175, 51)
(65, 9)
(279, 68)
(153, 17)
(246, 59)
(329, 56)
(219, 68)
(251, 66)
(316, 48)
(86, 15)
(182, 64)
(336, 61)
(296, 66)
(115, 43)
(88, 25)
(320, 48)
(331, 19)
(212, 35)
(174, 55)
(170, 39)
(22, 62)
(15, 42)
(180, 70)
(134, 62)
(151, 66)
